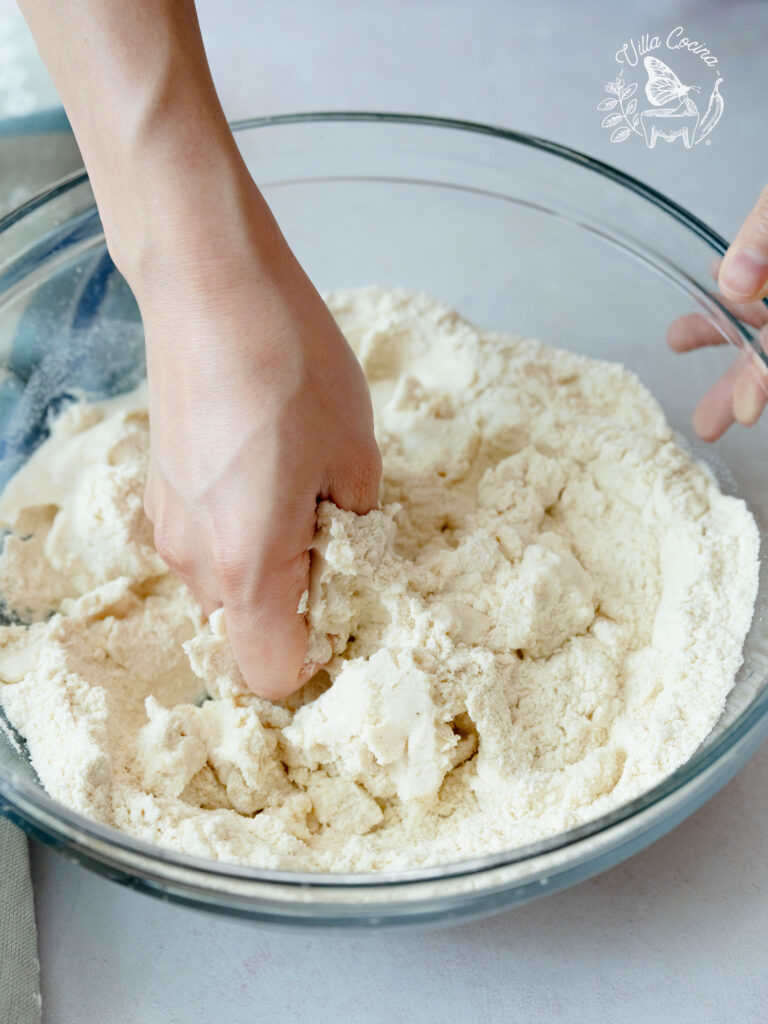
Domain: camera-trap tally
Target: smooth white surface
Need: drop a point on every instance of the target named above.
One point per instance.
(677, 934)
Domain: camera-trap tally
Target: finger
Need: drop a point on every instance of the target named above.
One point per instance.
(267, 632)
(693, 331)
(714, 413)
(182, 557)
(207, 602)
(750, 394)
(197, 580)
(356, 488)
(744, 270)
(309, 670)
(753, 313)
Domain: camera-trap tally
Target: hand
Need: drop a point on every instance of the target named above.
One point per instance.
(257, 405)
(741, 394)
(258, 408)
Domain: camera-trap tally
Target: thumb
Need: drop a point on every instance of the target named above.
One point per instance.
(267, 632)
(744, 270)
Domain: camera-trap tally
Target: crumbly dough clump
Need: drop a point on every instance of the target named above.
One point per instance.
(543, 620)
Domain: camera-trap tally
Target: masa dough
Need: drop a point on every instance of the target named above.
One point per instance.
(543, 620)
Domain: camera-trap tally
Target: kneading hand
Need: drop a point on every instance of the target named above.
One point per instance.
(258, 408)
(257, 405)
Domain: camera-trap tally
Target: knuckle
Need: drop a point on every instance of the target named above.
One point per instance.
(149, 506)
(229, 567)
(167, 546)
(366, 471)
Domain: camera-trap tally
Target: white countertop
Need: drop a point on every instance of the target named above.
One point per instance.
(675, 935)
(678, 933)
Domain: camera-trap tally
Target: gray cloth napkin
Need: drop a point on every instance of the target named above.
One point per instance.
(20, 1001)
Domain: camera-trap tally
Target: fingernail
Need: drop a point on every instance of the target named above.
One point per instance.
(308, 671)
(749, 399)
(744, 272)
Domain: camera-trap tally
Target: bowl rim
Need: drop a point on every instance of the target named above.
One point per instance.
(78, 177)
(752, 719)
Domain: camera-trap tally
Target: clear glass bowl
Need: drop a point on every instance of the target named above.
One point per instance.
(515, 232)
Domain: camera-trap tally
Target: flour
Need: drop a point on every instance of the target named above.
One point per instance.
(542, 621)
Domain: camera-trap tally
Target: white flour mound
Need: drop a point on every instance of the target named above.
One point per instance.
(542, 622)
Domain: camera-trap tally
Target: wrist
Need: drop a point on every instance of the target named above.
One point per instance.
(163, 163)
(193, 224)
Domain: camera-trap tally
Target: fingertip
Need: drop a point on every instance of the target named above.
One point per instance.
(750, 396)
(714, 413)
(693, 331)
(743, 273)
(273, 690)
(270, 683)
(682, 333)
(270, 647)
(676, 334)
(705, 427)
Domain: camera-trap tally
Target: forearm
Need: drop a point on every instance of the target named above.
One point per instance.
(136, 86)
